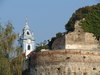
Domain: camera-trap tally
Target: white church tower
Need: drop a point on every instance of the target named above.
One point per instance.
(26, 40)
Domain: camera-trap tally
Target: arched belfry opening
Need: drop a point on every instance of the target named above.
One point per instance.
(29, 47)
(28, 33)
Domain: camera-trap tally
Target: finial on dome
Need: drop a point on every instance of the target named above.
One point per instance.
(26, 23)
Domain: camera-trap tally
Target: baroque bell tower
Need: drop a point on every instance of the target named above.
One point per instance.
(26, 39)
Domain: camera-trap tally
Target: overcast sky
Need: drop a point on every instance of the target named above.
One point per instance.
(46, 17)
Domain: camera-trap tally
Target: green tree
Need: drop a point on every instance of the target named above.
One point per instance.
(9, 66)
(7, 38)
(92, 19)
(42, 45)
(59, 35)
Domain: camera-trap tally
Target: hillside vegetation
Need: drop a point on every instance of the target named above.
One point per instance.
(92, 19)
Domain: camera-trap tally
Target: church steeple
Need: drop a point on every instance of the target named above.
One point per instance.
(26, 39)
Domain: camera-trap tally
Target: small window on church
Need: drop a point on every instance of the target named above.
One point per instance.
(28, 47)
(28, 33)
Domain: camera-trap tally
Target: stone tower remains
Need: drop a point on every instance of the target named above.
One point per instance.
(75, 53)
(76, 40)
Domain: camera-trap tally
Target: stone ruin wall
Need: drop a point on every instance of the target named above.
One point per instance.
(78, 39)
(75, 53)
(73, 40)
(84, 41)
(59, 43)
(65, 62)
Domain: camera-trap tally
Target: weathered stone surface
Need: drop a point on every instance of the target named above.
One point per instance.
(65, 62)
(75, 53)
(59, 43)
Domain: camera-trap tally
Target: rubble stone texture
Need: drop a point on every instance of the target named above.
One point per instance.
(75, 53)
(65, 62)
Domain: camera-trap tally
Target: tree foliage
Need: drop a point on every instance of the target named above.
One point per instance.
(7, 38)
(39, 48)
(42, 45)
(92, 19)
(8, 65)
(59, 34)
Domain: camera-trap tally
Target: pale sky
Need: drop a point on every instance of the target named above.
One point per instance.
(46, 17)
